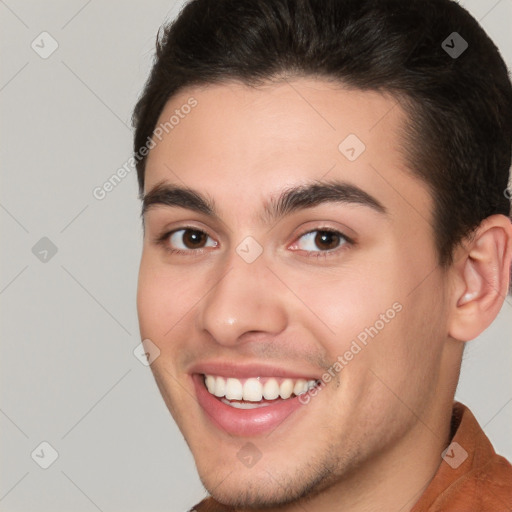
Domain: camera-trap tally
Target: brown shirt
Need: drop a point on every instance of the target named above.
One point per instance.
(470, 478)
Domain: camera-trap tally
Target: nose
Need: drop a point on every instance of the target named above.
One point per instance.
(242, 302)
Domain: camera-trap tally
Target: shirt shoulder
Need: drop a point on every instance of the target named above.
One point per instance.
(471, 475)
(210, 505)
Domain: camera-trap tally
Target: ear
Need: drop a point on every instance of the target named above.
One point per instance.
(481, 278)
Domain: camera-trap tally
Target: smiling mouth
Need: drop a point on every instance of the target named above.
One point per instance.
(255, 392)
(249, 406)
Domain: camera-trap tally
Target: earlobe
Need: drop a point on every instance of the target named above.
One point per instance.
(483, 278)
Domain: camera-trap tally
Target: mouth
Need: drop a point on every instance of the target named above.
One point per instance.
(249, 406)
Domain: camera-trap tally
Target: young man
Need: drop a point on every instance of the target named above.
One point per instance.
(327, 223)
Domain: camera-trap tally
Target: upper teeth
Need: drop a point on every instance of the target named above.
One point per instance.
(256, 388)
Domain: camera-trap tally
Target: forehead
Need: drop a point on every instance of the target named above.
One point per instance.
(241, 143)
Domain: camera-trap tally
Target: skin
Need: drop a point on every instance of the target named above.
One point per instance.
(372, 438)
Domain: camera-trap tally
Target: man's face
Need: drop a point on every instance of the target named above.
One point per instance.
(346, 285)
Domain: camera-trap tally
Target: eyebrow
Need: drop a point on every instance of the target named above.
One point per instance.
(290, 200)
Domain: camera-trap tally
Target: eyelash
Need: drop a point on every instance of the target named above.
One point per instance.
(162, 240)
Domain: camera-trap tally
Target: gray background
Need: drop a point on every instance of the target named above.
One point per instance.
(69, 324)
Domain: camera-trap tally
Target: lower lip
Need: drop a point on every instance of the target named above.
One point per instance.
(243, 422)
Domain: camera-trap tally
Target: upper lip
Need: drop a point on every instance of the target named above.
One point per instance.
(246, 370)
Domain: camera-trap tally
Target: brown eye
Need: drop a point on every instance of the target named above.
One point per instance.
(193, 239)
(183, 239)
(327, 240)
(321, 240)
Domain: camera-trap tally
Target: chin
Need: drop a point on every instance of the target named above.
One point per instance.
(250, 492)
(264, 485)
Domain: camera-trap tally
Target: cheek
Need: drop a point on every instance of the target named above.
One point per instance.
(149, 303)
(163, 297)
(340, 305)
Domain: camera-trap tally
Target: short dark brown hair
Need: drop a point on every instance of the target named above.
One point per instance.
(458, 137)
